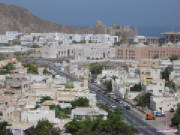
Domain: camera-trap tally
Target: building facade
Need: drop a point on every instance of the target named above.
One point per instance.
(146, 52)
(79, 51)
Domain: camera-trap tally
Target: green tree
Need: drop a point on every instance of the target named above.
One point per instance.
(165, 74)
(114, 77)
(175, 121)
(102, 106)
(136, 87)
(35, 46)
(80, 102)
(156, 56)
(31, 69)
(108, 85)
(170, 84)
(15, 42)
(96, 68)
(143, 100)
(53, 76)
(61, 113)
(4, 130)
(7, 69)
(174, 57)
(146, 43)
(46, 72)
(43, 127)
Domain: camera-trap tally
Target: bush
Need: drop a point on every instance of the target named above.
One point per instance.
(4, 130)
(80, 102)
(31, 69)
(69, 85)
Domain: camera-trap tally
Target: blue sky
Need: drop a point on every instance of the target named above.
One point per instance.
(143, 13)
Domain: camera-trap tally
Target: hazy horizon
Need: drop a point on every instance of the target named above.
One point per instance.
(151, 17)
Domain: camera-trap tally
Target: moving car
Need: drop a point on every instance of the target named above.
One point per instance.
(127, 107)
(113, 106)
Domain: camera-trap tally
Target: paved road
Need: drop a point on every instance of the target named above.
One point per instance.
(130, 116)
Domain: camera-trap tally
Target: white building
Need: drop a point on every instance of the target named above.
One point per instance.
(11, 35)
(3, 39)
(165, 103)
(87, 38)
(79, 51)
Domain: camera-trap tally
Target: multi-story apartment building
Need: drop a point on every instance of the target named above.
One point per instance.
(146, 52)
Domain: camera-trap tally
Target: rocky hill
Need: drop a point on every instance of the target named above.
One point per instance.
(20, 19)
(14, 18)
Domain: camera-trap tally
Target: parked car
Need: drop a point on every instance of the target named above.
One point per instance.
(127, 107)
(150, 116)
(159, 114)
(117, 100)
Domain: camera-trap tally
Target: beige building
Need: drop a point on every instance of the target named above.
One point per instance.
(156, 87)
(146, 52)
(148, 74)
(32, 116)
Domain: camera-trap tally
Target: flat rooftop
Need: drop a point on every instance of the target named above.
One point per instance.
(170, 33)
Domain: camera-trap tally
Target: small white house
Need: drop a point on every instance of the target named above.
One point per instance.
(88, 113)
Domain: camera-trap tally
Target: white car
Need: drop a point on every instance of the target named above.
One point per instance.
(113, 106)
(121, 102)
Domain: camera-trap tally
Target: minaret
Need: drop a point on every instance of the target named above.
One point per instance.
(135, 30)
